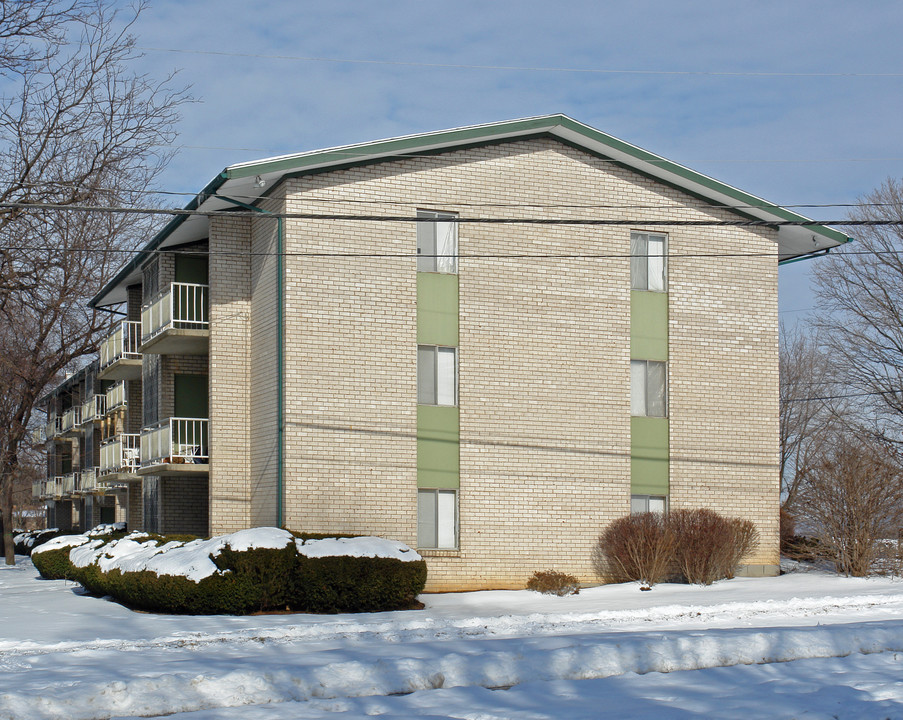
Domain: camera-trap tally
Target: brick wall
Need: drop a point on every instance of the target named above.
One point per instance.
(230, 450)
(544, 359)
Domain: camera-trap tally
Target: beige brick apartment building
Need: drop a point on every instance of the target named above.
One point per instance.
(402, 338)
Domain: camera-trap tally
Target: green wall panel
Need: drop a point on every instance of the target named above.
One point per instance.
(648, 325)
(438, 461)
(649, 463)
(437, 309)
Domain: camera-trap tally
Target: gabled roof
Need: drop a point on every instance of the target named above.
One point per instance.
(250, 180)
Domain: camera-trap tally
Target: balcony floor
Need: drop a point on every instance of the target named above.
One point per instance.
(178, 342)
(117, 478)
(122, 369)
(171, 469)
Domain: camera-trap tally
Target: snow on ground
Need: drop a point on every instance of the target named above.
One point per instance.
(804, 645)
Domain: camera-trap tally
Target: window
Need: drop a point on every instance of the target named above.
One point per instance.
(647, 503)
(437, 519)
(437, 243)
(648, 388)
(648, 265)
(437, 375)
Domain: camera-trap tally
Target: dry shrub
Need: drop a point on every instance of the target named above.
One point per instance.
(788, 531)
(709, 546)
(551, 582)
(638, 547)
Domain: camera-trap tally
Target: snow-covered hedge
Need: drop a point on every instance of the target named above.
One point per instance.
(248, 571)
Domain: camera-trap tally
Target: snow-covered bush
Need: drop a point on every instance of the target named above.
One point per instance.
(25, 542)
(252, 570)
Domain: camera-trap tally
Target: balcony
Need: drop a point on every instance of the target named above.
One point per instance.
(86, 482)
(71, 420)
(119, 457)
(119, 356)
(37, 489)
(175, 446)
(39, 435)
(48, 488)
(92, 410)
(115, 398)
(53, 427)
(176, 321)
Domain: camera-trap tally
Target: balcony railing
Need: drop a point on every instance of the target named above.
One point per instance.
(119, 454)
(115, 397)
(122, 344)
(37, 489)
(53, 427)
(39, 435)
(175, 441)
(70, 482)
(48, 487)
(71, 419)
(92, 409)
(181, 306)
(86, 481)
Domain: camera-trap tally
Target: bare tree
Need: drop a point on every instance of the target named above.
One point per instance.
(861, 289)
(810, 408)
(77, 127)
(854, 498)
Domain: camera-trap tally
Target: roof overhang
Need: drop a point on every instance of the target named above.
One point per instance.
(251, 180)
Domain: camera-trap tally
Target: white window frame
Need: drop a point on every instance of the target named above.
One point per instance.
(444, 529)
(641, 399)
(437, 393)
(648, 271)
(648, 503)
(431, 257)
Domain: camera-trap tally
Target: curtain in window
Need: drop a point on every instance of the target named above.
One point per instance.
(445, 532)
(446, 247)
(426, 375)
(445, 371)
(638, 262)
(638, 387)
(656, 259)
(655, 389)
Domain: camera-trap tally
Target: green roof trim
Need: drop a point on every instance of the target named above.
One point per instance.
(558, 126)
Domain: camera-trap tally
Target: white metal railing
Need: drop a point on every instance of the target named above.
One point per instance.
(48, 487)
(92, 409)
(119, 454)
(37, 489)
(182, 306)
(115, 397)
(53, 426)
(175, 440)
(87, 481)
(70, 419)
(122, 343)
(64, 485)
(39, 435)
(71, 483)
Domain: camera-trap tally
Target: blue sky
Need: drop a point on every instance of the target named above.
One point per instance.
(798, 102)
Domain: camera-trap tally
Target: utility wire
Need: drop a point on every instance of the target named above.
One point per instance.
(517, 68)
(175, 212)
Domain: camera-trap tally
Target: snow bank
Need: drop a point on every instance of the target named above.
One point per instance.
(372, 547)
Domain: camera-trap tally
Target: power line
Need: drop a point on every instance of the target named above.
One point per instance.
(458, 220)
(517, 68)
(460, 203)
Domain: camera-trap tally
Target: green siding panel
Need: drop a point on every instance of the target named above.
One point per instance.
(437, 309)
(648, 325)
(438, 443)
(649, 456)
